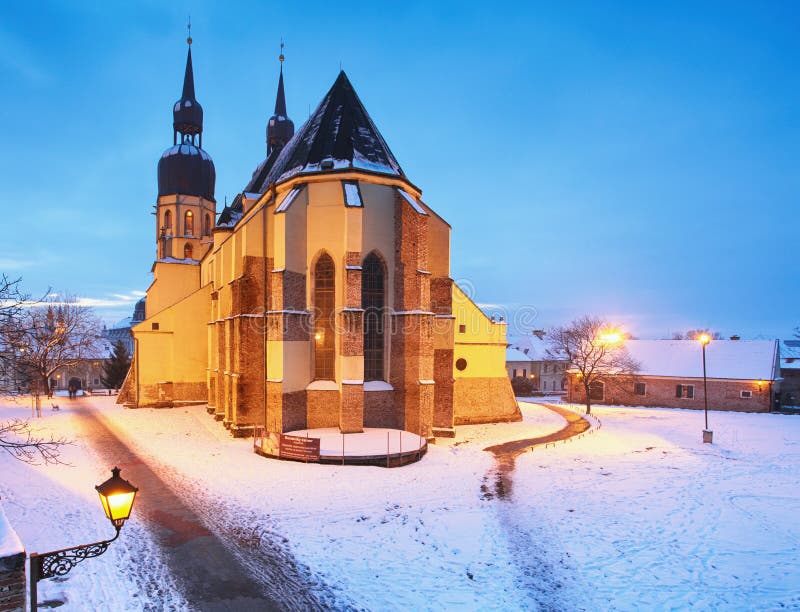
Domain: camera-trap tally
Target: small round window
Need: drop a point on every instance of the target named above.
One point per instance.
(461, 364)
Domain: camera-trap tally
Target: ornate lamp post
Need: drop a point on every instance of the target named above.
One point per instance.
(708, 435)
(116, 495)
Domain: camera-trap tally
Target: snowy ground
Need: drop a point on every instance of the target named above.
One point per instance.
(639, 515)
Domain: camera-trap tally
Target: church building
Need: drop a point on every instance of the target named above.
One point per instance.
(320, 297)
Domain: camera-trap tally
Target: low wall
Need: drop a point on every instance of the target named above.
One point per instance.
(12, 568)
(484, 400)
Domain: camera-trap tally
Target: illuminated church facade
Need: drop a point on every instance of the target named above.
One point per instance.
(320, 297)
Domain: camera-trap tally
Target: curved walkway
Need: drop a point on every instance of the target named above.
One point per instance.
(538, 572)
(506, 454)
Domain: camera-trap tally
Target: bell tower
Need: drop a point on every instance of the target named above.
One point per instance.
(186, 208)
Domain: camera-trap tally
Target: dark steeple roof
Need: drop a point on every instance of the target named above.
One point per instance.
(187, 113)
(280, 128)
(339, 135)
(280, 100)
(188, 78)
(185, 168)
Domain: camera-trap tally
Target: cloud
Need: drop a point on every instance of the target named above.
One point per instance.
(14, 263)
(113, 300)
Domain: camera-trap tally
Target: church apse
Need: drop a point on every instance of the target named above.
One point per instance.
(323, 297)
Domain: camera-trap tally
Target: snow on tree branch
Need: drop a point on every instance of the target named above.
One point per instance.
(18, 440)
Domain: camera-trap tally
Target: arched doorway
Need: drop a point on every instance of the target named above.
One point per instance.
(75, 383)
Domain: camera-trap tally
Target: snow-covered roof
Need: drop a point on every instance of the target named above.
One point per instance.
(10, 543)
(340, 134)
(534, 347)
(735, 359)
(514, 354)
(790, 354)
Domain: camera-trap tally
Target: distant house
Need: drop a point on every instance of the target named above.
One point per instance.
(742, 375)
(527, 357)
(122, 330)
(790, 372)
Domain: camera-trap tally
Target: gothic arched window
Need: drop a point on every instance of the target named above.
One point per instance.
(188, 223)
(207, 225)
(187, 251)
(373, 301)
(324, 334)
(168, 222)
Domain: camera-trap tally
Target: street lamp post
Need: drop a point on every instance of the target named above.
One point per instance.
(708, 435)
(116, 495)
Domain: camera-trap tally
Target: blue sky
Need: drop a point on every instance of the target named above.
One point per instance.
(633, 161)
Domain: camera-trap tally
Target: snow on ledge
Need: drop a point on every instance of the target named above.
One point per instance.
(10, 544)
(377, 385)
(322, 385)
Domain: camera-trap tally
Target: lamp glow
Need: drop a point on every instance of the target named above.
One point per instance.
(704, 338)
(611, 337)
(117, 496)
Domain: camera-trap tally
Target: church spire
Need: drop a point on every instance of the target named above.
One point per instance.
(280, 128)
(280, 100)
(188, 77)
(187, 113)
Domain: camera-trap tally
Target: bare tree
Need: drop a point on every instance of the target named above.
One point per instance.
(52, 335)
(595, 349)
(11, 301)
(17, 439)
(694, 334)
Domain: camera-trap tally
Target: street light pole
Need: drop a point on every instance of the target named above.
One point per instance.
(708, 435)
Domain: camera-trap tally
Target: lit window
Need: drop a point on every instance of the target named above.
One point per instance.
(324, 338)
(187, 251)
(188, 223)
(373, 301)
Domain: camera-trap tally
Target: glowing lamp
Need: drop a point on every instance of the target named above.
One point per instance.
(611, 337)
(117, 495)
(704, 338)
(318, 336)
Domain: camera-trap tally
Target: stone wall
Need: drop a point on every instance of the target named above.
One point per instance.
(484, 400)
(169, 393)
(323, 408)
(380, 409)
(12, 568)
(661, 392)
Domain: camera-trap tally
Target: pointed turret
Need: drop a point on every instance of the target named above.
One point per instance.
(185, 168)
(187, 114)
(280, 128)
(339, 134)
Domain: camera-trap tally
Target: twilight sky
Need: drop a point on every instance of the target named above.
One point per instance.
(617, 158)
